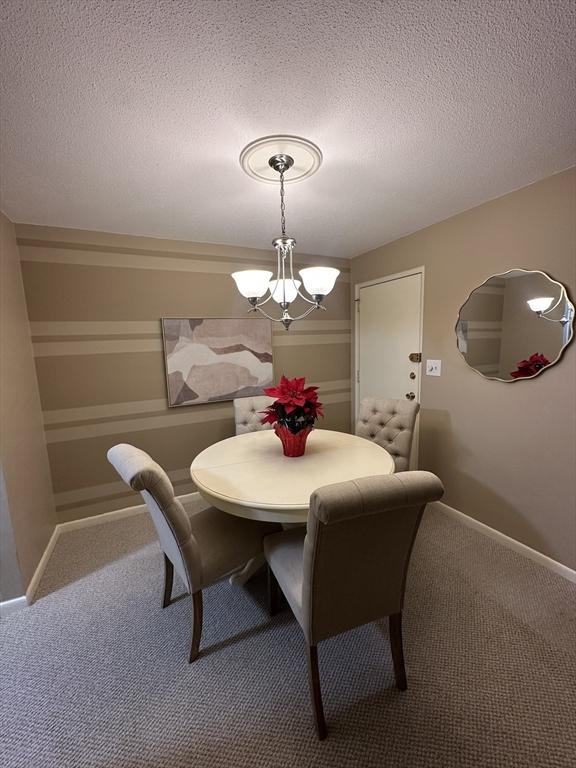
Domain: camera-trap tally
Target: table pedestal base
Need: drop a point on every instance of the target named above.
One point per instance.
(240, 577)
(244, 574)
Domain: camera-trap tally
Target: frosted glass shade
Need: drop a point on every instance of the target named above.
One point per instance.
(252, 283)
(291, 292)
(540, 304)
(319, 281)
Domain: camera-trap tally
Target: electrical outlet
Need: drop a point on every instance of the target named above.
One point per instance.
(433, 367)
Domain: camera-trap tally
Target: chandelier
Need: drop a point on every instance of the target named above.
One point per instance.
(258, 285)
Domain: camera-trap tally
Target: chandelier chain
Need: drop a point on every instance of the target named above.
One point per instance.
(282, 204)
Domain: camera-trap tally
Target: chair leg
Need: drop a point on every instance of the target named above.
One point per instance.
(196, 625)
(168, 581)
(395, 624)
(273, 593)
(315, 692)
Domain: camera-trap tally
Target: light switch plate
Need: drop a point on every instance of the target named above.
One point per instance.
(433, 367)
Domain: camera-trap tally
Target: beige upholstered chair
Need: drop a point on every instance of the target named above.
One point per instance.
(202, 543)
(349, 568)
(247, 413)
(390, 423)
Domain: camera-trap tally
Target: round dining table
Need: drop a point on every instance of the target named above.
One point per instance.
(249, 476)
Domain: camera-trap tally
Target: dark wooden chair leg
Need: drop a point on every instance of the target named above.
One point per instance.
(273, 593)
(395, 623)
(168, 581)
(315, 692)
(196, 625)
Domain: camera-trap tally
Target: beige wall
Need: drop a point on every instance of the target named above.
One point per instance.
(506, 452)
(95, 301)
(27, 517)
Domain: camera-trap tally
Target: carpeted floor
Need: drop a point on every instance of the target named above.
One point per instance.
(94, 674)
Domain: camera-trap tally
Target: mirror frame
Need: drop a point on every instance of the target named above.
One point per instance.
(553, 362)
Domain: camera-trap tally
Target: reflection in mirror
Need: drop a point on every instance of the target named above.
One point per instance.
(515, 325)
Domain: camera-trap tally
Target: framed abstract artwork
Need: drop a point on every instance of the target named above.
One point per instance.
(211, 359)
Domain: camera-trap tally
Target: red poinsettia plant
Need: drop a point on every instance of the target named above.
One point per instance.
(296, 406)
(530, 366)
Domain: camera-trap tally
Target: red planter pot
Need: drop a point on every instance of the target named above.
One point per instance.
(292, 444)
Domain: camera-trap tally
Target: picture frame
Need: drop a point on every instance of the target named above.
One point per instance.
(210, 360)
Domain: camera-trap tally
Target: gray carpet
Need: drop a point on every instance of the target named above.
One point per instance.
(94, 674)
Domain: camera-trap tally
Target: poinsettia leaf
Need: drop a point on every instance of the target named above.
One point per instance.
(296, 406)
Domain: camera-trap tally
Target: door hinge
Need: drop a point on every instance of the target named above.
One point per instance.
(357, 302)
(358, 377)
(415, 357)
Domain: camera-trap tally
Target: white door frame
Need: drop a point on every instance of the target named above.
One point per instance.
(385, 279)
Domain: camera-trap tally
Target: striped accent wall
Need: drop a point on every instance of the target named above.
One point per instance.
(95, 301)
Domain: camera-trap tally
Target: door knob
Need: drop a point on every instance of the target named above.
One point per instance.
(410, 395)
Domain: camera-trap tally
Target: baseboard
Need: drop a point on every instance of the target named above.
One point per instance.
(41, 567)
(12, 606)
(104, 517)
(507, 541)
(85, 522)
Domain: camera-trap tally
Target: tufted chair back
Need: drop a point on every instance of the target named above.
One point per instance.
(247, 413)
(142, 473)
(390, 423)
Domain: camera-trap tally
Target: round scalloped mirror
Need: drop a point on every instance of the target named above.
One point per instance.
(515, 325)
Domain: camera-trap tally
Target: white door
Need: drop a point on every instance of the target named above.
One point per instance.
(389, 330)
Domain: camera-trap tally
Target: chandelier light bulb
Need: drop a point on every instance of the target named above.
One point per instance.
(252, 283)
(288, 294)
(319, 281)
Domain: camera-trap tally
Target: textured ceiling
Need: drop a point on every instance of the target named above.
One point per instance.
(129, 115)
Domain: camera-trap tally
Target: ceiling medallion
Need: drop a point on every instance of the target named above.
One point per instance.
(283, 159)
(255, 158)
